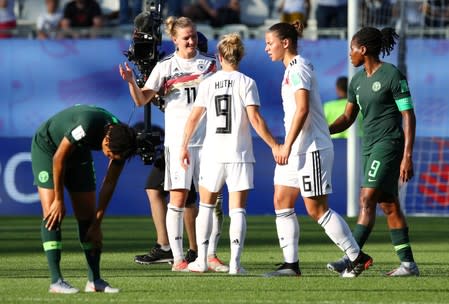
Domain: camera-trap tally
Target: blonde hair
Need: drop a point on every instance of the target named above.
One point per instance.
(172, 24)
(231, 48)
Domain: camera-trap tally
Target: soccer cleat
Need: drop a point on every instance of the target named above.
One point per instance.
(238, 271)
(100, 285)
(285, 270)
(340, 265)
(156, 255)
(215, 264)
(355, 268)
(197, 266)
(182, 266)
(191, 256)
(406, 269)
(62, 286)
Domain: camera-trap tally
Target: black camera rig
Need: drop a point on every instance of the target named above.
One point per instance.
(144, 54)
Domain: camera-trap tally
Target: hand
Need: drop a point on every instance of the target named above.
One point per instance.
(282, 155)
(95, 236)
(55, 214)
(185, 158)
(406, 170)
(126, 72)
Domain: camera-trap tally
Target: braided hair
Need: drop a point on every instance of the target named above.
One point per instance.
(122, 140)
(376, 41)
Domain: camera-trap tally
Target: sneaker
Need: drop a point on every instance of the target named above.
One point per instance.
(197, 266)
(355, 268)
(100, 285)
(340, 265)
(62, 286)
(191, 256)
(182, 266)
(156, 255)
(285, 270)
(215, 264)
(238, 271)
(406, 269)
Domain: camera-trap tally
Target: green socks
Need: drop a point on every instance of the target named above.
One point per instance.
(361, 234)
(92, 255)
(51, 241)
(401, 243)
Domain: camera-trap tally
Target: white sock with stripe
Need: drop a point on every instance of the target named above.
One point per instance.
(338, 231)
(287, 227)
(237, 233)
(203, 228)
(174, 223)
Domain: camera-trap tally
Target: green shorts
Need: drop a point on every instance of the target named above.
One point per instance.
(79, 172)
(381, 167)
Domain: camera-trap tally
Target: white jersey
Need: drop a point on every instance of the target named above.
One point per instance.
(225, 95)
(314, 134)
(295, 6)
(179, 79)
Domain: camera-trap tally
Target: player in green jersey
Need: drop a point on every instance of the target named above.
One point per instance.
(380, 92)
(61, 157)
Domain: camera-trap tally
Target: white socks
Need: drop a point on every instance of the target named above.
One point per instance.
(288, 233)
(203, 228)
(237, 233)
(338, 231)
(174, 222)
(217, 225)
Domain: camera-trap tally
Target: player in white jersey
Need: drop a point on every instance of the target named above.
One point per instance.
(231, 101)
(305, 162)
(178, 77)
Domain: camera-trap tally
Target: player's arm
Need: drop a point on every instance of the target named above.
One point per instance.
(346, 119)
(110, 180)
(140, 96)
(409, 125)
(190, 127)
(299, 118)
(57, 208)
(258, 123)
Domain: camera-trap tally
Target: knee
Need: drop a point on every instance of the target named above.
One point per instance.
(367, 205)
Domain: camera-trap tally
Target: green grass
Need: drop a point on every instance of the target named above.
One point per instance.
(24, 274)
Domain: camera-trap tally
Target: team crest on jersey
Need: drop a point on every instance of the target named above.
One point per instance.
(201, 67)
(43, 176)
(376, 86)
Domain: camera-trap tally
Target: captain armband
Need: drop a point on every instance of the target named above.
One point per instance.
(404, 104)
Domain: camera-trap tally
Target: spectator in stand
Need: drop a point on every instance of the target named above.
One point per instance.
(49, 22)
(216, 13)
(331, 13)
(7, 19)
(129, 11)
(174, 8)
(292, 10)
(436, 13)
(377, 13)
(413, 15)
(80, 14)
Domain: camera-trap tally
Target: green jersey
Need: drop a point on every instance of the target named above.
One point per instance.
(82, 125)
(381, 98)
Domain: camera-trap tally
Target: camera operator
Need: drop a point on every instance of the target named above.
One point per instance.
(178, 75)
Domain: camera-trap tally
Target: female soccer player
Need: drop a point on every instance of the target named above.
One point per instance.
(306, 158)
(231, 101)
(61, 156)
(381, 93)
(178, 75)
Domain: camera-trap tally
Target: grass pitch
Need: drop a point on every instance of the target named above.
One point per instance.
(24, 275)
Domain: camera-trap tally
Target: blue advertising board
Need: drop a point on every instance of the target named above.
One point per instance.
(40, 78)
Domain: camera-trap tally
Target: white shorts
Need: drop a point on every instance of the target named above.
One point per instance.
(310, 172)
(237, 176)
(175, 175)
